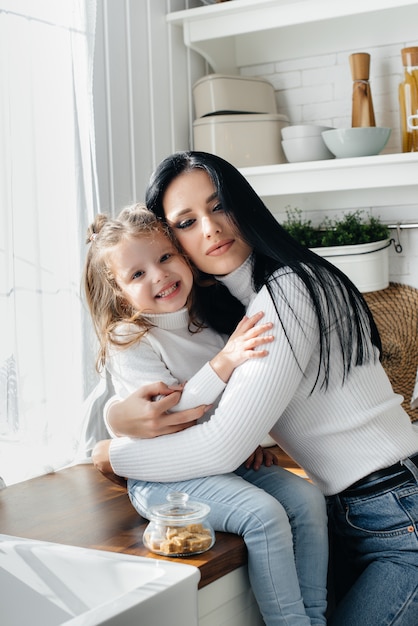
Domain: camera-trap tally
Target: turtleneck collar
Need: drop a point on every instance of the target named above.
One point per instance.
(170, 321)
(240, 282)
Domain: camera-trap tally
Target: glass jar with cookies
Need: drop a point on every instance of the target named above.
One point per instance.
(179, 527)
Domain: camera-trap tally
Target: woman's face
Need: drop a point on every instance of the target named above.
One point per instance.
(193, 210)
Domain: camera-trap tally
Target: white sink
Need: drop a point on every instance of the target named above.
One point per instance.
(52, 584)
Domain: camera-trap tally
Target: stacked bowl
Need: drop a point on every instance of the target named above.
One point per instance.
(356, 142)
(304, 142)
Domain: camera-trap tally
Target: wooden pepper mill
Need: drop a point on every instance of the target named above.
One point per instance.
(362, 107)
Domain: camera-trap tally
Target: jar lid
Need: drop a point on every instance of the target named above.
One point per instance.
(179, 510)
(410, 56)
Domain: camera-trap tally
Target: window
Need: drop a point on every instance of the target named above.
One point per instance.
(47, 199)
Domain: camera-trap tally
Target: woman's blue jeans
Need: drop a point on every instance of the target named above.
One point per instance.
(374, 548)
(282, 519)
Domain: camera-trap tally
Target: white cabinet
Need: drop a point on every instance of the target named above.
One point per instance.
(244, 32)
(229, 600)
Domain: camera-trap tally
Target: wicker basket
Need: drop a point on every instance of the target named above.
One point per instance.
(395, 311)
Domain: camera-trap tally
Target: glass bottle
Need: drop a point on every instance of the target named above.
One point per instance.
(408, 100)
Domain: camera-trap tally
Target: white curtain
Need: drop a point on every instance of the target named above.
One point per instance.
(47, 198)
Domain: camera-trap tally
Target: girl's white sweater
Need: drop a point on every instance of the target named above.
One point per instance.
(337, 435)
(171, 353)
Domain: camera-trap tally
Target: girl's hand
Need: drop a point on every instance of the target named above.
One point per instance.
(242, 345)
(259, 457)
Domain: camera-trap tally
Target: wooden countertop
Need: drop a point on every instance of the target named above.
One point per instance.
(78, 506)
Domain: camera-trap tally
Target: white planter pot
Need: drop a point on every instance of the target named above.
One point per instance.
(366, 264)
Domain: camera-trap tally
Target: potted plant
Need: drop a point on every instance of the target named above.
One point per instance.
(357, 244)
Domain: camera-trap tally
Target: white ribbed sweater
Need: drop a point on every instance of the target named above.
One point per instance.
(338, 435)
(170, 353)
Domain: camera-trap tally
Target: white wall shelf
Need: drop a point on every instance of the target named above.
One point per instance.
(383, 180)
(239, 33)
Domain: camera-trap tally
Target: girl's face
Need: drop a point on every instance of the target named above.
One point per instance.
(151, 273)
(193, 210)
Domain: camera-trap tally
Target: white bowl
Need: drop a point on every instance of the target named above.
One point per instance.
(303, 130)
(356, 142)
(306, 149)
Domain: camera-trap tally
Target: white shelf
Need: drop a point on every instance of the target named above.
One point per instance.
(233, 34)
(383, 180)
(247, 32)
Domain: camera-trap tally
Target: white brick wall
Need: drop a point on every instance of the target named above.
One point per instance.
(319, 89)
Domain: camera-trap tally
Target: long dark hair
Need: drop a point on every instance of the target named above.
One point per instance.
(335, 299)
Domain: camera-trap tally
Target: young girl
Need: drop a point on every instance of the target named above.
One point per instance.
(322, 392)
(140, 293)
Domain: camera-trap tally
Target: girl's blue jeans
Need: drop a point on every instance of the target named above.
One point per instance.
(374, 548)
(282, 519)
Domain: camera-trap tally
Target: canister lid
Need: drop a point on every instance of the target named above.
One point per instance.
(231, 77)
(410, 56)
(179, 509)
(238, 118)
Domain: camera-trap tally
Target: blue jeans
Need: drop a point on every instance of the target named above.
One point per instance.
(282, 519)
(374, 548)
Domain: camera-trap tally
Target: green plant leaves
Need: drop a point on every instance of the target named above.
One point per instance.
(352, 228)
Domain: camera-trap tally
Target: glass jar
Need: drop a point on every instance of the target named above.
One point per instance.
(408, 100)
(179, 527)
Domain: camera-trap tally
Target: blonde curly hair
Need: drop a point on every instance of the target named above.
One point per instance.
(107, 304)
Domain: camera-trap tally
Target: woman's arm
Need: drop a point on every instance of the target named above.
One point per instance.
(257, 393)
(101, 455)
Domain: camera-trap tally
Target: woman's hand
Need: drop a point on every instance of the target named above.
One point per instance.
(259, 457)
(242, 345)
(140, 416)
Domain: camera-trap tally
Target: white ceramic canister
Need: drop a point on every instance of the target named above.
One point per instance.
(243, 140)
(220, 93)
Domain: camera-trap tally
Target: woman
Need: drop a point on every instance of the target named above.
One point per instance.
(321, 392)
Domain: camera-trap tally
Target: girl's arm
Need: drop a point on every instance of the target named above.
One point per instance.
(256, 395)
(140, 364)
(241, 346)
